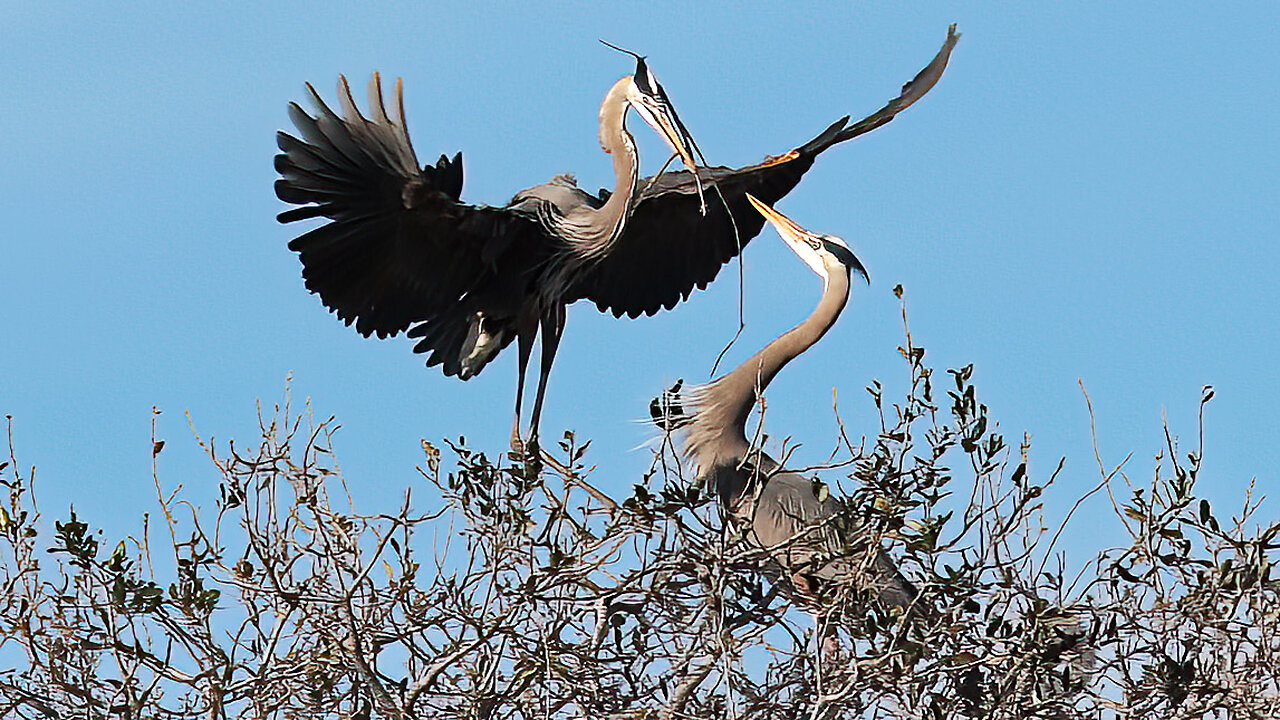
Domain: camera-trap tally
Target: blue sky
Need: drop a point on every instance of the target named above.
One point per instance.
(1089, 193)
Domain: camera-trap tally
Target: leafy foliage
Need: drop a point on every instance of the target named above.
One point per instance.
(527, 593)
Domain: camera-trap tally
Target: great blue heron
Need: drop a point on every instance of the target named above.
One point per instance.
(790, 514)
(403, 251)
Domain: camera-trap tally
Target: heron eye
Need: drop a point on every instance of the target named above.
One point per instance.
(815, 244)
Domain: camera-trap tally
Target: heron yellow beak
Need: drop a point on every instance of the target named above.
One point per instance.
(787, 228)
(807, 244)
(664, 120)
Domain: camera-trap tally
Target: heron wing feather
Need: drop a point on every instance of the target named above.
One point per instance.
(398, 247)
(670, 248)
(791, 517)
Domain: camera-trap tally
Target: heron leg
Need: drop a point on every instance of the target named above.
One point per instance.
(526, 332)
(552, 328)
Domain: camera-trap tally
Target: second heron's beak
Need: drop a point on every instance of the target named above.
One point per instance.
(806, 244)
(786, 227)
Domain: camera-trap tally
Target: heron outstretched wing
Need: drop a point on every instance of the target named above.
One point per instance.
(670, 248)
(400, 247)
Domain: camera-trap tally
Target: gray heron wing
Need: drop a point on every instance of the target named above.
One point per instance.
(789, 513)
(397, 246)
(669, 248)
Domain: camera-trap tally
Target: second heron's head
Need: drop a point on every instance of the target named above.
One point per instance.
(822, 253)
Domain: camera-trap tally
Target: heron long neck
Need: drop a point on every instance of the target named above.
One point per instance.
(751, 377)
(616, 141)
(720, 426)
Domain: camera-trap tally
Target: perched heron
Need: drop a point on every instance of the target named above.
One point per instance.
(402, 252)
(791, 515)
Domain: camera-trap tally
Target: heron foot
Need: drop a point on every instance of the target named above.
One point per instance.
(527, 452)
(522, 447)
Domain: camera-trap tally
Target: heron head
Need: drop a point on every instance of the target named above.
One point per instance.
(818, 251)
(647, 96)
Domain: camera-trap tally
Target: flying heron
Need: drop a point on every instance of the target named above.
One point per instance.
(402, 252)
(789, 514)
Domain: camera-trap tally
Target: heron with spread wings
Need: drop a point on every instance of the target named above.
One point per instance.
(401, 252)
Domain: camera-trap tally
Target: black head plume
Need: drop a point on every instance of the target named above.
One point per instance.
(643, 79)
(847, 258)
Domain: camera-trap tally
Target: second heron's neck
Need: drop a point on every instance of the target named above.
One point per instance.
(716, 436)
(754, 375)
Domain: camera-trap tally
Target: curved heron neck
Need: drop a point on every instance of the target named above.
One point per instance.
(617, 141)
(745, 383)
(717, 435)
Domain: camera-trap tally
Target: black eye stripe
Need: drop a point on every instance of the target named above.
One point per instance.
(648, 84)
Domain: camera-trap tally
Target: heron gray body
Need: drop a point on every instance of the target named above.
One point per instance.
(790, 516)
(787, 513)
